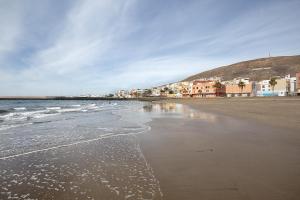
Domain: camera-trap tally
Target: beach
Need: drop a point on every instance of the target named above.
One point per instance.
(243, 148)
(52, 149)
(240, 148)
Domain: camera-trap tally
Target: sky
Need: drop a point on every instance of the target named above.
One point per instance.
(74, 47)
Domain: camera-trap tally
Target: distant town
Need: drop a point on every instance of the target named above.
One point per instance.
(216, 87)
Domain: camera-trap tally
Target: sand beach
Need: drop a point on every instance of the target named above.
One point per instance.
(242, 148)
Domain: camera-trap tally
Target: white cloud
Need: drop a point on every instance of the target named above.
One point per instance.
(10, 26)
(99, 46)
(88, 32)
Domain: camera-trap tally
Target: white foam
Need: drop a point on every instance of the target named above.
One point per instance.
(6, 127)
(53, 108)
(76, 105)
(20, 108)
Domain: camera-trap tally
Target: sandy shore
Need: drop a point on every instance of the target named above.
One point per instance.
(227, 149)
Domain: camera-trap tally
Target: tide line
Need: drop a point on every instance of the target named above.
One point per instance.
(72, 144)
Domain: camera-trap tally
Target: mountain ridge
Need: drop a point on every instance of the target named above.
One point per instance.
(256, 70)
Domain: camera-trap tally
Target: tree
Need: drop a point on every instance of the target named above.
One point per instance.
(171, 92)
(241, 85)
(218, 86)
(273, 82)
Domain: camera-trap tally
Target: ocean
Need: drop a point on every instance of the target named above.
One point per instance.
(74, 150)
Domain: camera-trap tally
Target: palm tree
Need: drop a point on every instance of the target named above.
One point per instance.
(273, 82)
(218, 86)
(241, 86)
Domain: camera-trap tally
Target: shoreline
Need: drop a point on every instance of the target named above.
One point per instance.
(236, 156)
(275, 111)
(138, 98)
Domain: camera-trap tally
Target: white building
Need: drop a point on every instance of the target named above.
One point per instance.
(281, 88)
(264, 88)
(291, 85)
(156, 91)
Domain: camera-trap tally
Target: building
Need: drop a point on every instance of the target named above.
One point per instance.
(281, 88)
(156, 91)
(122, 94)
(136, 93)
(234, 90)
(206, 88)
(291, 85)
(298, 83)
(263, 88)
(182, 89)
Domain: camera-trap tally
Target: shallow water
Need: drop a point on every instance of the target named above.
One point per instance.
(74, 150)
(80, 149)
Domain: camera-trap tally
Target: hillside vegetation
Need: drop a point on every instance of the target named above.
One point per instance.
(256, 70)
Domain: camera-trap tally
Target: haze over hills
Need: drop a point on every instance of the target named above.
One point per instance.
(256, 70)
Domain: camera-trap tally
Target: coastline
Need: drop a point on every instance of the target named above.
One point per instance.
(275, 111)
(241, 155)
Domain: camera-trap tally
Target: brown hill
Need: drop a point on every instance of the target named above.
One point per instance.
(256, 70)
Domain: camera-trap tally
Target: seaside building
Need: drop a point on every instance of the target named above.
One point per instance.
(121, 94)
(206, 88)
(263, 88)
(298, 83)
(156, 91)
(291, 85)
(135, 93)
(181, 89)
(234, 90)
(214, 78)
(282, 87)
(236, 81)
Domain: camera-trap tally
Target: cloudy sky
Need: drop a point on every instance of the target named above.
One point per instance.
(71, 47)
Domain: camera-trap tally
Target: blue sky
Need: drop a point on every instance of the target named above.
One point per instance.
(72, 47)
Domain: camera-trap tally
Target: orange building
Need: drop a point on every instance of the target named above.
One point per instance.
(233, 90)
(206, 88)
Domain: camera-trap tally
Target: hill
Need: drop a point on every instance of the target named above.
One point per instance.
(256, 70)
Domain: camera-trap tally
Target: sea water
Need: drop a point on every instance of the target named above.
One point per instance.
(74, 150)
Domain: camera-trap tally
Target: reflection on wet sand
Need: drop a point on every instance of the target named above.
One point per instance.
(178, 110)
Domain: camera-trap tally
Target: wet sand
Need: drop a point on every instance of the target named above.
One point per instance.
(227, 149)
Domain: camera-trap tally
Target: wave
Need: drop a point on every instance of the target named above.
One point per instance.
(22, 115)
(47, 111)
(76, 105)
(4, 111)
(20, 108)
(5, 127)
(53, 108)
